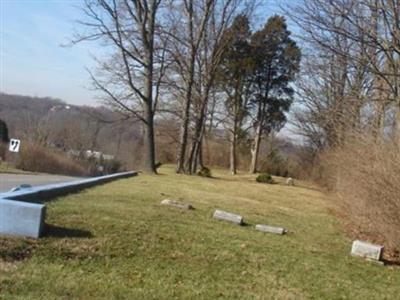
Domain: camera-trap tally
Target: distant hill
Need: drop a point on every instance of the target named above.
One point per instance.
(53, 122)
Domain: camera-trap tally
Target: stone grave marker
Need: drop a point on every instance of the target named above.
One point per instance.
(270, 229)
(177, 204)
(367, 250)
(227, 216)
(290, 181)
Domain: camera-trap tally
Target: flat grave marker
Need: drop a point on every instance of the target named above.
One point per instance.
(270, 229)
(227, 216)
(367, 250)
(177, 204)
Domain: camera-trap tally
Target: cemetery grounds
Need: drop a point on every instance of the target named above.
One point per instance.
(116, 241)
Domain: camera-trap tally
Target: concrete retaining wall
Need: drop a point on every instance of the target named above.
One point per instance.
(22, 212)
(21, 218)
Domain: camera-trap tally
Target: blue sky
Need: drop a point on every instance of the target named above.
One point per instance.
(32, 60)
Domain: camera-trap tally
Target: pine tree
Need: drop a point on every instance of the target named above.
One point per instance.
(235, 71)
(276, 60)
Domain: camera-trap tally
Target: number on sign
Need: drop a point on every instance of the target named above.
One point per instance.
(14, 145)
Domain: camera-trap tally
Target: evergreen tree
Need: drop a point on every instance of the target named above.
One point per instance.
(3, 132)
(235, 71)
(276, 62)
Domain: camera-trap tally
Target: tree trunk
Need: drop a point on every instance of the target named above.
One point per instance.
(379, 108)
(148, 137)
(198, 134)
(234, 136)
(198, 161)
(181, 155)
(149, 147)
(200, 155)
(194, 158)
(183, 138)
(195, 152)
(233, 158)
(191, 164)
(255, 150)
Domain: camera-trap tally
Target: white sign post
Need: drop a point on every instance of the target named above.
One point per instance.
(14, 145)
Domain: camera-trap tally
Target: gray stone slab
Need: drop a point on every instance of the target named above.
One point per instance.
(227, 216)
(270, 229)
(367, 250)
(21, 218)
(177, 204)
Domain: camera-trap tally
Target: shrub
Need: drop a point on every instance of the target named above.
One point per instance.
(365, 177)
(204, 172)
(3, 151)
(265, 178)
(35, 158)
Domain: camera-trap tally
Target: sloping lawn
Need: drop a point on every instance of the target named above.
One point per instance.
(117, 242)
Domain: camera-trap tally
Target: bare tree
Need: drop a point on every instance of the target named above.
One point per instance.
(197, 29)
(130, 78)
(370, 28)
(186, 26)
(213, 46)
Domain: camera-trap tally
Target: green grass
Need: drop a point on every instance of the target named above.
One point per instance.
(117, 242)
(6, 168)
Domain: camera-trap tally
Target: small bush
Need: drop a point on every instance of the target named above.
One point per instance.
(265, 178)
(204, 172)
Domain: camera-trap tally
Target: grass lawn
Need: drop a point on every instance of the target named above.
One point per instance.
(117, 242)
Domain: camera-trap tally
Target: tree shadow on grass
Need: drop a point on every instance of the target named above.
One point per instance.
(63, 232)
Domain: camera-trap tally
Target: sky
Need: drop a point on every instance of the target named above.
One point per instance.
(33, 60)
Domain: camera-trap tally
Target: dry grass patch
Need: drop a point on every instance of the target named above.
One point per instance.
(365, 178)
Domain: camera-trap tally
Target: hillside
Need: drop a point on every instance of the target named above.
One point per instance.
(52, 122)
(117, 242)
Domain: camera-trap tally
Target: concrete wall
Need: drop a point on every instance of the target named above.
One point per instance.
(22, 212)
(21, 218)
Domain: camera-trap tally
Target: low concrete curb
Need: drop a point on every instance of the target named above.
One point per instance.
(22, 212)
(40, 194)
